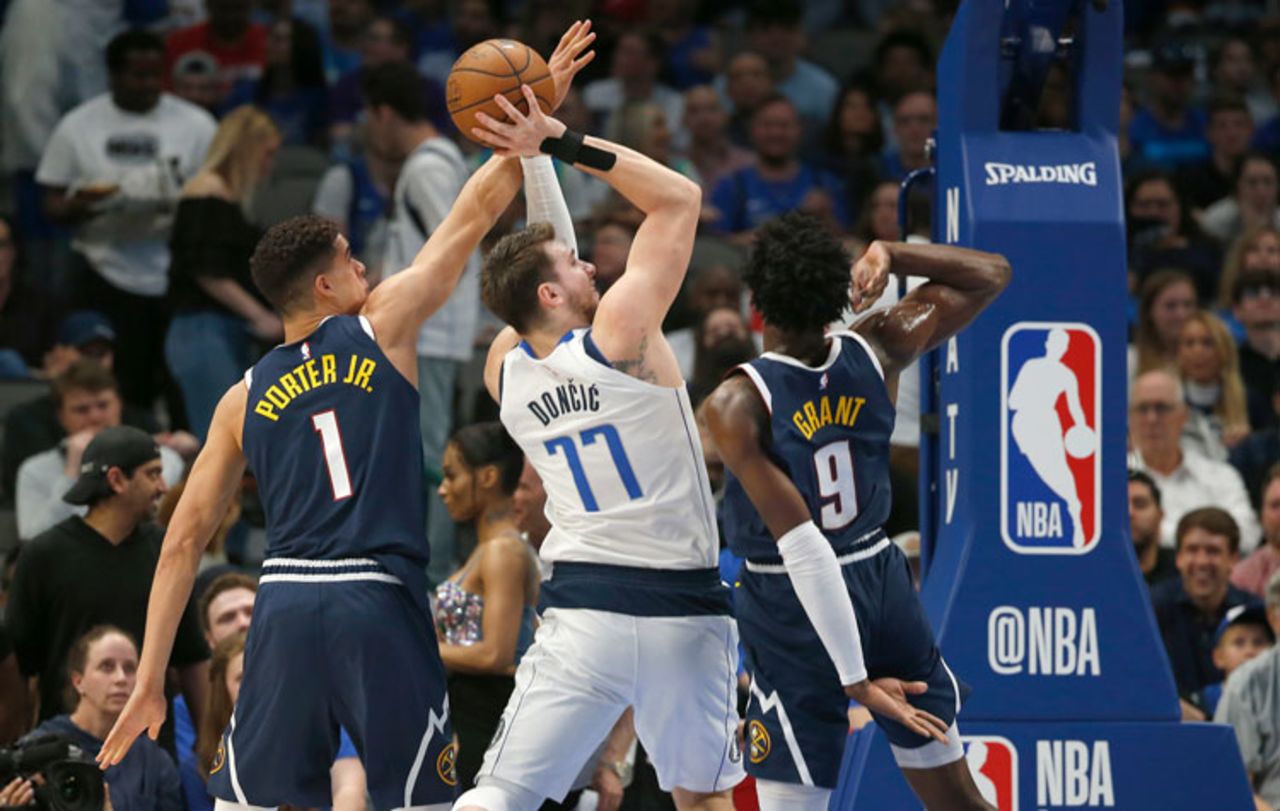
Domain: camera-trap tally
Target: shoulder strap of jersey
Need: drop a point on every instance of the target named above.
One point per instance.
(866, 347)
(762, 388)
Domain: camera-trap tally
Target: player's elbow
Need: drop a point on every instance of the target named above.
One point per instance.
(683, 194)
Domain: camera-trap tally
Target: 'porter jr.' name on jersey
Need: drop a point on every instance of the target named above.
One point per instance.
(569, 398)
(816, 414)
(313, 374)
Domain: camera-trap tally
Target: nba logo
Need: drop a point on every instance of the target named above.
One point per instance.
(1050, 440)
(993, 762)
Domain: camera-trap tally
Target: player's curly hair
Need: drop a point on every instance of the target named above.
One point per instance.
(290, 255)
(798, 273)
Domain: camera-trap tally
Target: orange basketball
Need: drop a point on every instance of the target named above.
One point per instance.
(495, 66)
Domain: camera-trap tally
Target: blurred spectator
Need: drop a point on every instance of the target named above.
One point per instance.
(779, 181)
(96, 569)
(15, 715)
(1163, 234)
(113, 169)
(529, 507)
(775, 32)
(610, 246)
(102, 668)
(1167, 130)
(1256, 306)
(854, 139)
(292, 90)
(194, 78)
(903, 61)
(1233, 72)
(353, 193)
(1253, 573)
(1207, 363)
(710, 288)
(1155, 561)
(236, 46)
(226, 672)
(1257, 251)
(88, 402)
(1229, 129)
(1267, 136)
(1242, 635)
(1249, 705)
(27, 316)
(1188, 609)
(217, 310)
(692, 51)
(722, 341)
(1166, 301)
(214, 558)
(633, 76)
(1187, 481)
(1253, 202)
(473, 22)
(915, 115)
(485, 611)
(746, 85)
(710, 151)
(432, 174)
(643, 126)
(348, 20)
(879, 216)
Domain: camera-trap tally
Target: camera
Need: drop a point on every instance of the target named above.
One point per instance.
(72, 781)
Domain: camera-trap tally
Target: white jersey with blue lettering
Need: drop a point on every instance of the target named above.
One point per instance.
(620, 459)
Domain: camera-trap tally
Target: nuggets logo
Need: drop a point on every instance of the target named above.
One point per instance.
(993, 762)
(219, 759)
(1050, 438)
(758, 738)
(446, 765)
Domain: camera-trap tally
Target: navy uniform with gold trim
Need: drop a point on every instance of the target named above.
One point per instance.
(829, 430)
(341, 634)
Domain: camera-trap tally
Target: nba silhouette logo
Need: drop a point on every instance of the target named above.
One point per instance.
(993, 762)
(1050, 438)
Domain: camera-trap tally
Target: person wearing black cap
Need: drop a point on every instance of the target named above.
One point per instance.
(98, 569)
(1168, 131)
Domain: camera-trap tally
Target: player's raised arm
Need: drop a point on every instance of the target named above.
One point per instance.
(961, 283)
(214, 482)
(628, 323)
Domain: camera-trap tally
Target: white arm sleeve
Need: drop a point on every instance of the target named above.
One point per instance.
(815, 575)
(544, 200)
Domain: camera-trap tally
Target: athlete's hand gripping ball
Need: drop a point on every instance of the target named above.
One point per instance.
(520, 134)
(870, 276)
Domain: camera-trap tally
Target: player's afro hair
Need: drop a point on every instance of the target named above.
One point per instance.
(798, 273)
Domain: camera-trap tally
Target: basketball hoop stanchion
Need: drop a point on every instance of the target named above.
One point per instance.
(1032, 585)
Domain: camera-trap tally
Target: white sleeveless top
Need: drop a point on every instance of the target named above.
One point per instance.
(620, 459)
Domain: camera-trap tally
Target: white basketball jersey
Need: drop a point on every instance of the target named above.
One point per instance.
(620, 460)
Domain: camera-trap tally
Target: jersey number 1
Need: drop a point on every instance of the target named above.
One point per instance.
(565, 445)
(834, 465)
(326, 425)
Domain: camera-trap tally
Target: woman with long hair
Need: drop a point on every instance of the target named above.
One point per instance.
(226, 670)
(484, 611)
(1210, 371)
(1166, 301)
(292, 89)
(217, 309)
(1163, 234)
(1254, 201)
(1257, 249)
(102, 665)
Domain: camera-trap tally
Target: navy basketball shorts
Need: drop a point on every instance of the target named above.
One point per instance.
(797, 717)
(337, 645)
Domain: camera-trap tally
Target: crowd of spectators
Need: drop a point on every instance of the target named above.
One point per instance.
(145, 145)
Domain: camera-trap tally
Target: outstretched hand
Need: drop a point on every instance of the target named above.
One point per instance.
(569, 58)
(520, 134)
(870, 276)
(888, 697)
(144, 712)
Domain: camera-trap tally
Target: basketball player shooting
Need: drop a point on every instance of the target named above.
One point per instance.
(328, 422)
(804, 431)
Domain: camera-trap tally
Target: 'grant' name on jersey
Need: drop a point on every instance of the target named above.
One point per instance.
(567, 399)
(313, 374)
(818, 413)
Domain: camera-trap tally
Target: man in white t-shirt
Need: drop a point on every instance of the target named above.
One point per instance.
(113, 169)
(431, 176)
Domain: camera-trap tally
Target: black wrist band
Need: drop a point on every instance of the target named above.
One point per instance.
(570, 148)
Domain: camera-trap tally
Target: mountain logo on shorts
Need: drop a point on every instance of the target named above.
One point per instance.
(758, 737)
(446, 765)
(1050, 438)
(219, 759)
(993, 762)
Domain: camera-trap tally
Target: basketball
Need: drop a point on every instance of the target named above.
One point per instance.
(495, 66)
(1080, 441)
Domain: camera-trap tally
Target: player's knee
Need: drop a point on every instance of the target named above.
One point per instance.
(775, 796)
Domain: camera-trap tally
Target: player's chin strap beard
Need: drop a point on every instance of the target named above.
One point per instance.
(571, 148)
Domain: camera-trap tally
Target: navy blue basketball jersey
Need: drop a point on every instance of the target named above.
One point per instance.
(829, 431)
(331, 433)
